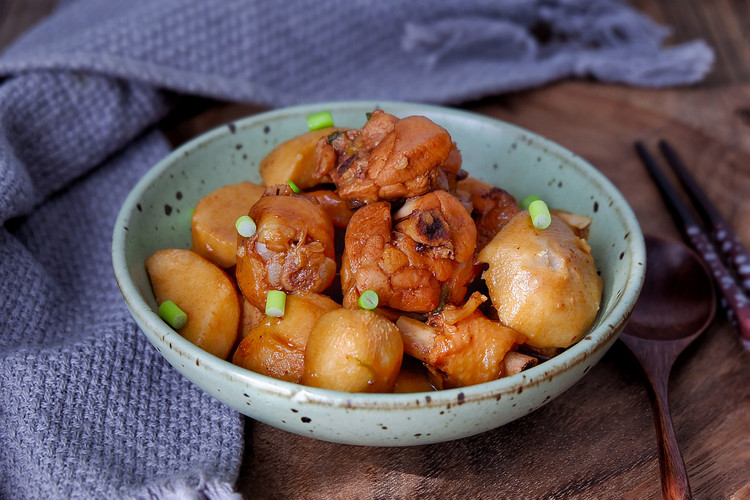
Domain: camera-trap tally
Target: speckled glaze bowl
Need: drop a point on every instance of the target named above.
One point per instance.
(157, 214)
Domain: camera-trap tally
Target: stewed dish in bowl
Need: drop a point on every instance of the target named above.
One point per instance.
(378, 273)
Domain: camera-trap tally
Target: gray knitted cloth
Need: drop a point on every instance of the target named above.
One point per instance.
(88, 409)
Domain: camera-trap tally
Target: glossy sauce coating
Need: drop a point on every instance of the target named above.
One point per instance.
(353, 350)
(543, 283)
(413, 259)
(292, 249)
(388, 159)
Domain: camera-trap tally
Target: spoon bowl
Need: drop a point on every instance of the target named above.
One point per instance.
(677, 301)
(676, 305)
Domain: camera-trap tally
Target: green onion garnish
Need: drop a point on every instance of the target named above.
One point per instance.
(275, 303)
(172, 314)
(540, 215)
(368, 300)
(294, 187)
(527, 201)
(317, 121)
(245, 226)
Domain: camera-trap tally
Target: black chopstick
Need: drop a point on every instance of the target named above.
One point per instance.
(735, 300)
(726, 240)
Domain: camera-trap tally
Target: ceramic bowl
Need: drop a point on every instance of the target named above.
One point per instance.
(157, 214)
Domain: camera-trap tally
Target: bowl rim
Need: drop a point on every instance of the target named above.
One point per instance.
(600, 337)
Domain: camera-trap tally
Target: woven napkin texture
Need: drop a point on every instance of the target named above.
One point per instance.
(89, 409)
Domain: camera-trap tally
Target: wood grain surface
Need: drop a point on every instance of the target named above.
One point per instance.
(597, 440)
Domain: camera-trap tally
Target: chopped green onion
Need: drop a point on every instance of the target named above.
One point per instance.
(540, 215)
(527, 201)
(294, 187)
(275, 303)
(368, 300)
(317, 121)
(245, 226)
(172, 314)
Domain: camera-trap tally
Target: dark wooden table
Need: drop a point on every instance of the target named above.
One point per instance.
(597, 440)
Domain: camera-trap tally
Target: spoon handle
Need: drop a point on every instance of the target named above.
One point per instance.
(674, 478)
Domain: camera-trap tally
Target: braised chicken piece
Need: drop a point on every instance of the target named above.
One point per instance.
(292, 249)
(459, 345)
(451, 167)
(333, 204)
(491, 207)
(388, 159)
(542, 282)
(413, 259)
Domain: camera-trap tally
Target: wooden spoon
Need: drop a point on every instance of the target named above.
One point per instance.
(677, 303)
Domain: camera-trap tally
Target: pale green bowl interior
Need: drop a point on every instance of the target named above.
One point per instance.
(157, 215)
